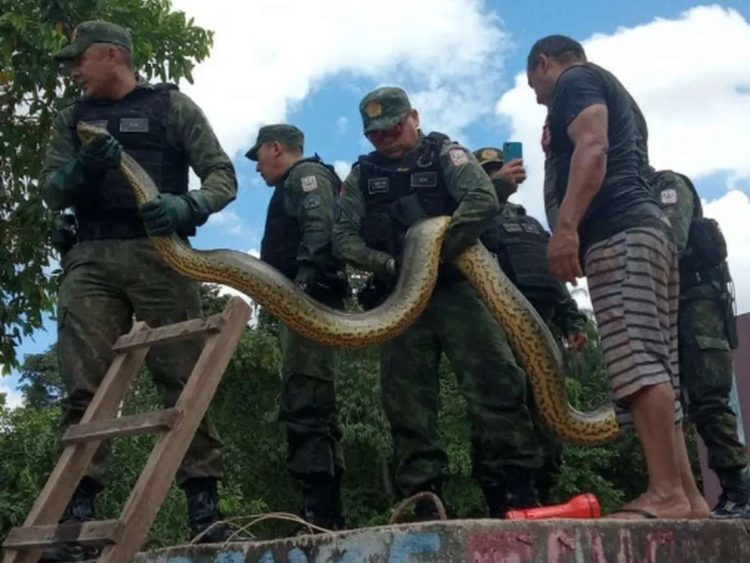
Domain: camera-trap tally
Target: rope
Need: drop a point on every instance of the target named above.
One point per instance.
(412, 500)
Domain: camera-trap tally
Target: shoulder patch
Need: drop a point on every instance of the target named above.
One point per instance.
(311, 202)
(309, 183)
(458, 156)
(668, 196)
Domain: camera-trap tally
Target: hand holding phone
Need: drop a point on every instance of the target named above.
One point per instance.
(512, 150)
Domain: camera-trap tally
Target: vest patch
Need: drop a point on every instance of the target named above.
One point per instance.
(513, 227)
(378, 185)
(459, 157)
(309, 183)
(668, 196)
(311, 202)
(424, 179)
(530, 228)
(134, 125)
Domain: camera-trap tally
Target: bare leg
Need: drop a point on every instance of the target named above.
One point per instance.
(653, 414)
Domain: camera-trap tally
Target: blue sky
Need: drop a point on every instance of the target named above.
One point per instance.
(460, 60)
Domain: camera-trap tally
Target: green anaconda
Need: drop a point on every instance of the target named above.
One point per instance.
(530, 338)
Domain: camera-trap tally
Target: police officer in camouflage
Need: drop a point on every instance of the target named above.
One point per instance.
(408, 177)
(297, 242)
(707, 336)
(112, 271)
(520, 244)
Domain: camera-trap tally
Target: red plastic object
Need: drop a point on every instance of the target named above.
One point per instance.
(581, 506)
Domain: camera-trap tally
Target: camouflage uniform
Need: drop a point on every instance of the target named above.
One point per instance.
(107, 281)
(113, 274)
(455, 322)
(705, 341)
(549, 297)
(297, 242)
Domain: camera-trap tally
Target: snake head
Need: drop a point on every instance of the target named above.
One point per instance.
(87, 132)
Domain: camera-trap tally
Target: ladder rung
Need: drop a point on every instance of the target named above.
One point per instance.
(132, 425)
(168, 333)
(103, 532)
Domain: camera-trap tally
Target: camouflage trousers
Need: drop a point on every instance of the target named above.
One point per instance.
(456, 323)
(308, 410)
(706, 374)
(105, 284)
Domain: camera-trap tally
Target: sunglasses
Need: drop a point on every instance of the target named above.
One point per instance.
(386, 135)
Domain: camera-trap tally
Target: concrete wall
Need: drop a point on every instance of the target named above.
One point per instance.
(492, 541)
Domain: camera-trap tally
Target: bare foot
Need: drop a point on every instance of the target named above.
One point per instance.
(676, 506)
(699, 508)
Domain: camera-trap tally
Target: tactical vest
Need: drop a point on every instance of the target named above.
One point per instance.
(106, 207)
(398, 193)
(520, 244)
(282, 237)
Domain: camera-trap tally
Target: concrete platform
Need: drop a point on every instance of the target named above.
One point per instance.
(492, 541)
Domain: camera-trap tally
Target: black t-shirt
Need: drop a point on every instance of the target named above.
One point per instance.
(624, 199)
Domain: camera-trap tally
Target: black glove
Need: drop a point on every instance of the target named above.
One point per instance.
(306, 278)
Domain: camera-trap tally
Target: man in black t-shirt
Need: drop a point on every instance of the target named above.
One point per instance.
(607, 220)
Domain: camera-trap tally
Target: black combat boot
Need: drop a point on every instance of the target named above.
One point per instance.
(734, 501)
(322, 501)
(517, 491)
(81, 508)
(203, 512)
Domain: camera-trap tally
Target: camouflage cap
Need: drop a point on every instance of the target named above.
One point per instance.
(283, 133)
(97, 31)
(383, 108)
(488, 155)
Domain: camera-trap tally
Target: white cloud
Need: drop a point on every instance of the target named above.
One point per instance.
(13, 397)
(693, 86)
(732, 212)
(268, 54)
(342, 168)
(342, 125)
(230, 223)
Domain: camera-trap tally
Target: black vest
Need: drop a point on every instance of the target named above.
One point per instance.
(520, 244)
(282, 237)
(107, 207)
(398, 193)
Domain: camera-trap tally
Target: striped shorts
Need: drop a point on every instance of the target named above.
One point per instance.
(634, 285)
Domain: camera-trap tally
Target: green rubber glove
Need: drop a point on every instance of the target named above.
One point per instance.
(169, 213)
(63, 187)
(166, 214)
(103, 152)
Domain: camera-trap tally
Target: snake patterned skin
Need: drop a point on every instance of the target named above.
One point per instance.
(529, 336)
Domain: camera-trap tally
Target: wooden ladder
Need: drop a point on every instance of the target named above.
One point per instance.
(121, 539)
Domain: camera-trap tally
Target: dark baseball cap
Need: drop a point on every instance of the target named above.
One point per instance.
(383, 108)
(488, 155)
(283, 133)
(96, 31)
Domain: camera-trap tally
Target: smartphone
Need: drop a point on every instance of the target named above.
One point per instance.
(512, 150)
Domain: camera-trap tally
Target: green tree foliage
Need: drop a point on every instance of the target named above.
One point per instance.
(41, 383)
(166, 46)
